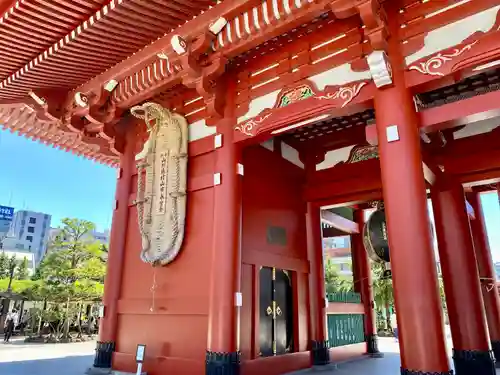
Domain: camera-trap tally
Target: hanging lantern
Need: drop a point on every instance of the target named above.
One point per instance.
(375, 237)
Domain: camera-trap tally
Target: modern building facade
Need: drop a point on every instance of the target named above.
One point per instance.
(338, 251)
(30, 230)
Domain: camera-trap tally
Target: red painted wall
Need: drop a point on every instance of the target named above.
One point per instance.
(175, 332)
(272, 195)
(173, 324)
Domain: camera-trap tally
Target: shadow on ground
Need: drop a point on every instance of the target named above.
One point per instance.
(389, 365)
(71, 365)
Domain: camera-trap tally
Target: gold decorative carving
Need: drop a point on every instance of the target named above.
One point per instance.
(345, 93)
(248, 127)
(432, 65)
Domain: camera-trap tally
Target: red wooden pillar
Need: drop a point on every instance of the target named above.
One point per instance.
(416, 294)
(363, 283)
(222, 346)
(471, 349)
(112, 284)
(317, 294)
(491, 298)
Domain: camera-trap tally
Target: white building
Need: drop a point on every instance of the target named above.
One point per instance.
(20, 255)
(32, 230)
(338, 251)
(14, 243)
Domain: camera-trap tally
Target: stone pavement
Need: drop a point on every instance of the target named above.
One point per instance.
(18, 358)
(389, 365)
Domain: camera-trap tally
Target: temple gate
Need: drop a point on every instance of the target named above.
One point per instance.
(268, 114)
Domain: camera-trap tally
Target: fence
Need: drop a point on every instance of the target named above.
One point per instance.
(345, 297)
(345, 329)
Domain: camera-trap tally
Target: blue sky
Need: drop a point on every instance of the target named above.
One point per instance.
(492, 213)
(43, 179)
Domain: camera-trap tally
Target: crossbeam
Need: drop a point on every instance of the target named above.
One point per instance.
(464, 112)
(339, 222)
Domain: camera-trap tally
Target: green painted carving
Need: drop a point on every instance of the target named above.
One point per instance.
(295, 95)
(362, 153)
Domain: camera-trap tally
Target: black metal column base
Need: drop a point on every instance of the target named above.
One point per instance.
(474, 362)
(495, 346)
(319, 353)
(222, 363)
(413, 372)
(372, 347)
(104, 354)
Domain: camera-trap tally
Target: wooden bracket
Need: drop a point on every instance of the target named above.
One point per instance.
(372, 15)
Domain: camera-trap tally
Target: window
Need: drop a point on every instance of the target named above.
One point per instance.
(32, 220)
(29, 238)
(31, 229)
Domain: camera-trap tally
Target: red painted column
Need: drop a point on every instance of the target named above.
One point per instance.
(222, 344)
(416, 294)
(317, 292)
(363, 283)
(113, 280)
(489, 290)
(471, 349)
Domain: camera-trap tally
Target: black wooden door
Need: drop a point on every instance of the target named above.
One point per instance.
(266, 329)
(276, 312)
(284, 312)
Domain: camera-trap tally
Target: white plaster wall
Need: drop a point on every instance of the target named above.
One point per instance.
(334, 157)
(455, 33)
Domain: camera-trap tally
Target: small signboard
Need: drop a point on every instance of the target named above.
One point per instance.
(6, 216)
(6, 213)
(140, 353)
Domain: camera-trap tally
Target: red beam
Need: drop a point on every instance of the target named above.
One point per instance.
(5, 5)
(343, 191)
(463, 112)
(332, 232)
(350, 200)
(486, 49)
(472, 167)
(344, 171)
(341, 223)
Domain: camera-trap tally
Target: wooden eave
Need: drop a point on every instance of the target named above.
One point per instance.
(241, 34)
(68, 47)
(51, 47)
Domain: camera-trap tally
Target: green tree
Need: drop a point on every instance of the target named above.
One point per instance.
(12, 263)
(334, 281)
(22, 270)
(383, 293)
(4, 265)
(72, 271)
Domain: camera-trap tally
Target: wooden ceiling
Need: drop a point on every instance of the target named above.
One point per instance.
(61, 44)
